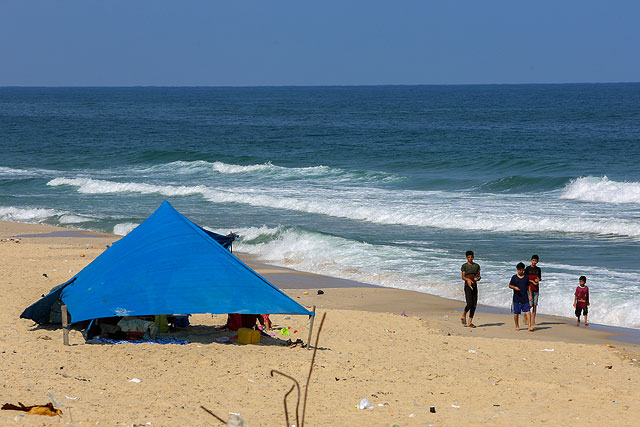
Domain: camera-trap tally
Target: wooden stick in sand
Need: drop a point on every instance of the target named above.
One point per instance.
(65, 326)
(311, 327)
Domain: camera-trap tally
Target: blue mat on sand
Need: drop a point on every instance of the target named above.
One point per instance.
(161, 340)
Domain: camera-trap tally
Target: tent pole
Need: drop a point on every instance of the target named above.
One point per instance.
(311, 327)
(65, 326)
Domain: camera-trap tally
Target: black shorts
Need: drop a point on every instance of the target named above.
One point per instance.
(584, 310)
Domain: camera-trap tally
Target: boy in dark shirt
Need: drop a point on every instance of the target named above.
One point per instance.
(534, 274)
(521, 296)
(581, 300)
(471, 275)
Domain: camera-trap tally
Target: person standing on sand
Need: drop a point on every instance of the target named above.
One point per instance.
(581, 300)
(471, 276)
(534, 273)
(521, 297)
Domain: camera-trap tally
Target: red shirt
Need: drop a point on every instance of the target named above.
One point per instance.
(533, 273)
(582, 294)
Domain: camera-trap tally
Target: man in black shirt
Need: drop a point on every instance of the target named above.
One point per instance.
(470, 275)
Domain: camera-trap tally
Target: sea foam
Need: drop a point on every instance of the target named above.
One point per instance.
(432, 209)
(29, 215)
(269, 171)
(124, 228)
(98, 186)
(436, 272)
(433, 272)
(602, 190)
(5, 171)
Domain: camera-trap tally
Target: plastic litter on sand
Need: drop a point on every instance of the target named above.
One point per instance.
(364, 404)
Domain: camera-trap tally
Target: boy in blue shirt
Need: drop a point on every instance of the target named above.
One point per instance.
(521, 297)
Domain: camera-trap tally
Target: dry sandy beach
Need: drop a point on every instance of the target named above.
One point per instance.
(403, 364)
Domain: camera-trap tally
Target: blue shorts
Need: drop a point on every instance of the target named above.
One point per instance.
(518, 307)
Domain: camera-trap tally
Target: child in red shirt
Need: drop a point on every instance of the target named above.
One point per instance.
(581, 301)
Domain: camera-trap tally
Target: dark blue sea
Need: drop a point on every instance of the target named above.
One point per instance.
(387, 185)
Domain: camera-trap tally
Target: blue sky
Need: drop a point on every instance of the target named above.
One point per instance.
(256, 43)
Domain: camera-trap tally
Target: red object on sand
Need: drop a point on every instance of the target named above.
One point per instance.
(135, 335)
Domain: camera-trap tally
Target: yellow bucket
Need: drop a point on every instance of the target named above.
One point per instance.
(255, 337)
(248, 336)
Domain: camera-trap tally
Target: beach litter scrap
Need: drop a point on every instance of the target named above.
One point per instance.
(47, 409)
(364, 404)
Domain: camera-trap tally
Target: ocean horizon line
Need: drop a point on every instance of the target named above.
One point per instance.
(195, 86)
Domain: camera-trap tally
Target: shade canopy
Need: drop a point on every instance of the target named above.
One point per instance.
(166, 265)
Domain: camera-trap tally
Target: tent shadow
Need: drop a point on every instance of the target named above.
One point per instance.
(53, 328)
(202, 334)
(198, 334)
(47, 327)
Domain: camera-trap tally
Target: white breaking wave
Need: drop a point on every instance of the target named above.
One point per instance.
(74, 219)
(232, 169)
(4, 171)
(179, 167)
(124, 228)
(28, 215)
(602, 190)
(199, 166)
(269, 171)
(437, 273)
(98, 186)
(336, 257)
(412, 208)
(15, 172)
(611, 304)
(39, 215)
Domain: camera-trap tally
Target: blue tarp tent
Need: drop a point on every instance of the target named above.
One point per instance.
(166, 265)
